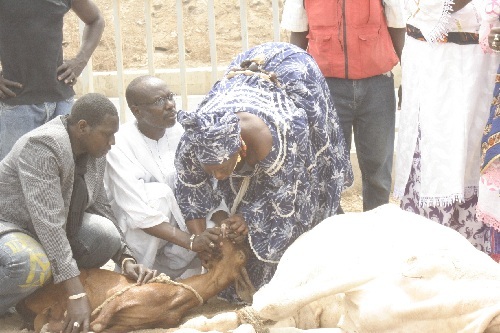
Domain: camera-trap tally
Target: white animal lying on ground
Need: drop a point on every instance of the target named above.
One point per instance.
(381, 271)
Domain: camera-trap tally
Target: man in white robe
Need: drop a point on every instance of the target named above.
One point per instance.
(139, 180)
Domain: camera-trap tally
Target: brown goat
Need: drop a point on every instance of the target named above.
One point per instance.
(152, 305)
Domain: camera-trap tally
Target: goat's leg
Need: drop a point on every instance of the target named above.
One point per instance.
(51, 318)
(102, 320)
(27, 315)
(40, 321)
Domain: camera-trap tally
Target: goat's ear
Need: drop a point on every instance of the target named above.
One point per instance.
(242, 257)
(244, 287)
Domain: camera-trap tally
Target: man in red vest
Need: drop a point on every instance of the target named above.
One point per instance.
(356, 51)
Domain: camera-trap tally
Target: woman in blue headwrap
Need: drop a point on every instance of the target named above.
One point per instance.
(264, 146)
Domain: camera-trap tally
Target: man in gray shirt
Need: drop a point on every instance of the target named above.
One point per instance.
(54, 213)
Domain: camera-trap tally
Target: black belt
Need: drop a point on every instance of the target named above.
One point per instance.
(461, 38)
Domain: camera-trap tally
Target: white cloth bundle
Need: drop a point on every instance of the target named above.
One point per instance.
(382, 271)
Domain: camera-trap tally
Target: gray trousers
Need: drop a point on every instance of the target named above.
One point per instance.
(24, 266)
(367, 109)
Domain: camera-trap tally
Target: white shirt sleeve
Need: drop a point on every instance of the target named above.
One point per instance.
(394, 13)
(294, 16)
(126, 188)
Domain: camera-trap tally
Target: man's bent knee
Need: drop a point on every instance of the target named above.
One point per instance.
(96, 242)
(24, 267)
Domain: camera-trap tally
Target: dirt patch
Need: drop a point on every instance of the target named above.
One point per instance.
(165, 36)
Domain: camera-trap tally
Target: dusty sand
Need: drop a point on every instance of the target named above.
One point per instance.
(164, 27)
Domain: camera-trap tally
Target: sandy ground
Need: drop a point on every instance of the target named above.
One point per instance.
(165, 36)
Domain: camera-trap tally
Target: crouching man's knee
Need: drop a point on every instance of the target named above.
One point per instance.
(96, 242)
(24, 267)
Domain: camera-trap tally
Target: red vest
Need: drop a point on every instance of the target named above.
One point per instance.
(349, 38)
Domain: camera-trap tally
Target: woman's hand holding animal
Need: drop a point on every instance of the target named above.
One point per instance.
(207, 244)
(236, 228)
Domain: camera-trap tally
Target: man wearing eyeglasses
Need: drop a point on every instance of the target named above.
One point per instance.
(139, 180)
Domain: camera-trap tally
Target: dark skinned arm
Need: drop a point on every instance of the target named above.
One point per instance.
(299, 39)
(398, 39)
(176, 236)
(198, 226)
(90, 14)
(459, 4)
(78, 310)
(5, 85)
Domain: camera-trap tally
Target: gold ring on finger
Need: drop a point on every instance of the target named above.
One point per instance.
(76, 324)
(212, 245)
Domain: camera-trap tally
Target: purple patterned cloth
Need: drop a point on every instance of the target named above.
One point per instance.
(490, 152)
(460, 216)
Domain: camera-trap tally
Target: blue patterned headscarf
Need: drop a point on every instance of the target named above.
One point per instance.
(215, 136)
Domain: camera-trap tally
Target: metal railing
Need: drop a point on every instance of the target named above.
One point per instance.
(87, 79)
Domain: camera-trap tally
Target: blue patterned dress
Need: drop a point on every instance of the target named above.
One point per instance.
(300, 181)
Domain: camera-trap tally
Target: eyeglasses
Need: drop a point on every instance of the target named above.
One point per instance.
(161, 101)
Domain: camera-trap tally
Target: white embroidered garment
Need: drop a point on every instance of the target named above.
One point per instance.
(435, 19)
(447, 95)
(139, 181)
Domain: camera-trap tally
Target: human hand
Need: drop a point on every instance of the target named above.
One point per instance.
(5, 92)
(77, 316)
(138, 272)
(207, 241)
(70, 70)
(494, 39)
(236, 228)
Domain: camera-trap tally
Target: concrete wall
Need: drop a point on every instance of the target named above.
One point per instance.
(198, 80)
